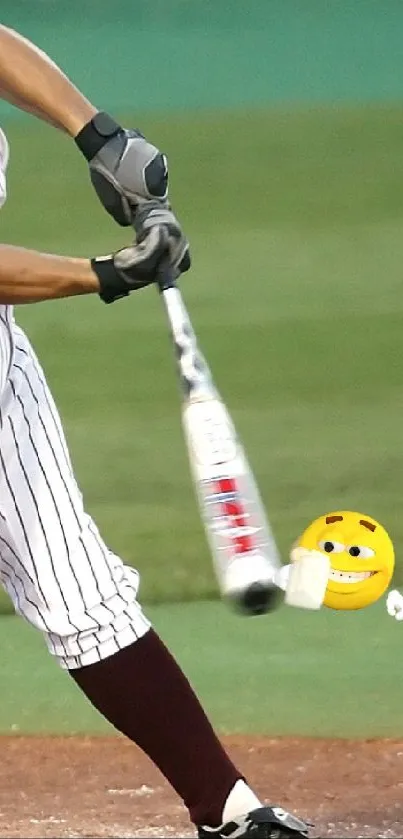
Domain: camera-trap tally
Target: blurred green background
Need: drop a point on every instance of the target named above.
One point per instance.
(283, 125)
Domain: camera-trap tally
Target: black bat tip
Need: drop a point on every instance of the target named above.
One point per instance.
(258, 599)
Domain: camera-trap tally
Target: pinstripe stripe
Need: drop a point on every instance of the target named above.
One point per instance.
(9, 578)
(60, 573)
(51, 409)
(23, 529)
(18, 564)
(28, 546)
(38, 514)
(105, 551)
(57, 511)
(102, 548)
(63, 480)
(51, 493)
(16, 575)
(5, 320)
(68, 464)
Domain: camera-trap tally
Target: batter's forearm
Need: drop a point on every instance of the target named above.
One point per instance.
(29, 277)
(30, 80)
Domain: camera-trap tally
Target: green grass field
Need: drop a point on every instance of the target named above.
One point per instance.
(295, 221)
(322, 674)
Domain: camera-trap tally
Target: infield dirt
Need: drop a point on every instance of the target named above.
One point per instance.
(68, 787)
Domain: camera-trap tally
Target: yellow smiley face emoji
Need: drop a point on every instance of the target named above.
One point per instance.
(361, 555)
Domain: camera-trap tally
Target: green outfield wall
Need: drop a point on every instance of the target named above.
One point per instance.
(209, 53)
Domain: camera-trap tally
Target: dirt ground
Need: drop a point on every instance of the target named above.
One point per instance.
(103, 787)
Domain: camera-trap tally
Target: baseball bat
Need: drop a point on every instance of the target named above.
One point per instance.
(244, 552)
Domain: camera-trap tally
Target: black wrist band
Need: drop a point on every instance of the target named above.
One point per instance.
(112, 285)
(95, 134)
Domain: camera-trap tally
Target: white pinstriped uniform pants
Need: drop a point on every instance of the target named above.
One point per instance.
(53, 563)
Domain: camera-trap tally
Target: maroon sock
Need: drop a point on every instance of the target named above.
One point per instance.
(142, 691)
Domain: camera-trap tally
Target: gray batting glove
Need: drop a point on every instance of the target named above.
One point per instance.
(131, 268)
(125, 168)
(128, 172)
(152, 214)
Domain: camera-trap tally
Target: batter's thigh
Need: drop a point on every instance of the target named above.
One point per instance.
(53, 563)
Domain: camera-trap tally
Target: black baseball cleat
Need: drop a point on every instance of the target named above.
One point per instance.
(263, 823)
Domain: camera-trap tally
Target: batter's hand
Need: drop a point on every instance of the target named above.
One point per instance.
(128, 173)
(131, 268)
(394, 604)
(152, 214)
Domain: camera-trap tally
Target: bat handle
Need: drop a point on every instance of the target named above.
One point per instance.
(165, 277)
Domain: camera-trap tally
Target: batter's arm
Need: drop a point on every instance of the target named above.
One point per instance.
(28, 276)
(126, 170)
(30, 80)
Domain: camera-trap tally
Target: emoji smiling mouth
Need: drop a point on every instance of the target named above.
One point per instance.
(350, 576)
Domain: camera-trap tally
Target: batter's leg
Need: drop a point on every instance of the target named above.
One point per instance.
(65, 581)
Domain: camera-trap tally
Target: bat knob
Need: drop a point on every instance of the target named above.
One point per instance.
(258, 599)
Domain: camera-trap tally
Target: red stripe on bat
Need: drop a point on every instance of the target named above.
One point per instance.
(234, 510)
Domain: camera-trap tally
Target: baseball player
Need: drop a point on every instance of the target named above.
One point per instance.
(54, 564)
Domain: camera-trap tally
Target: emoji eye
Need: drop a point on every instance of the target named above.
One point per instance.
(331, 547)
(362, 551)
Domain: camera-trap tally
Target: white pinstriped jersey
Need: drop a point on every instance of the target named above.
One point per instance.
(54, 565)
(6, 312)
(4, 155)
